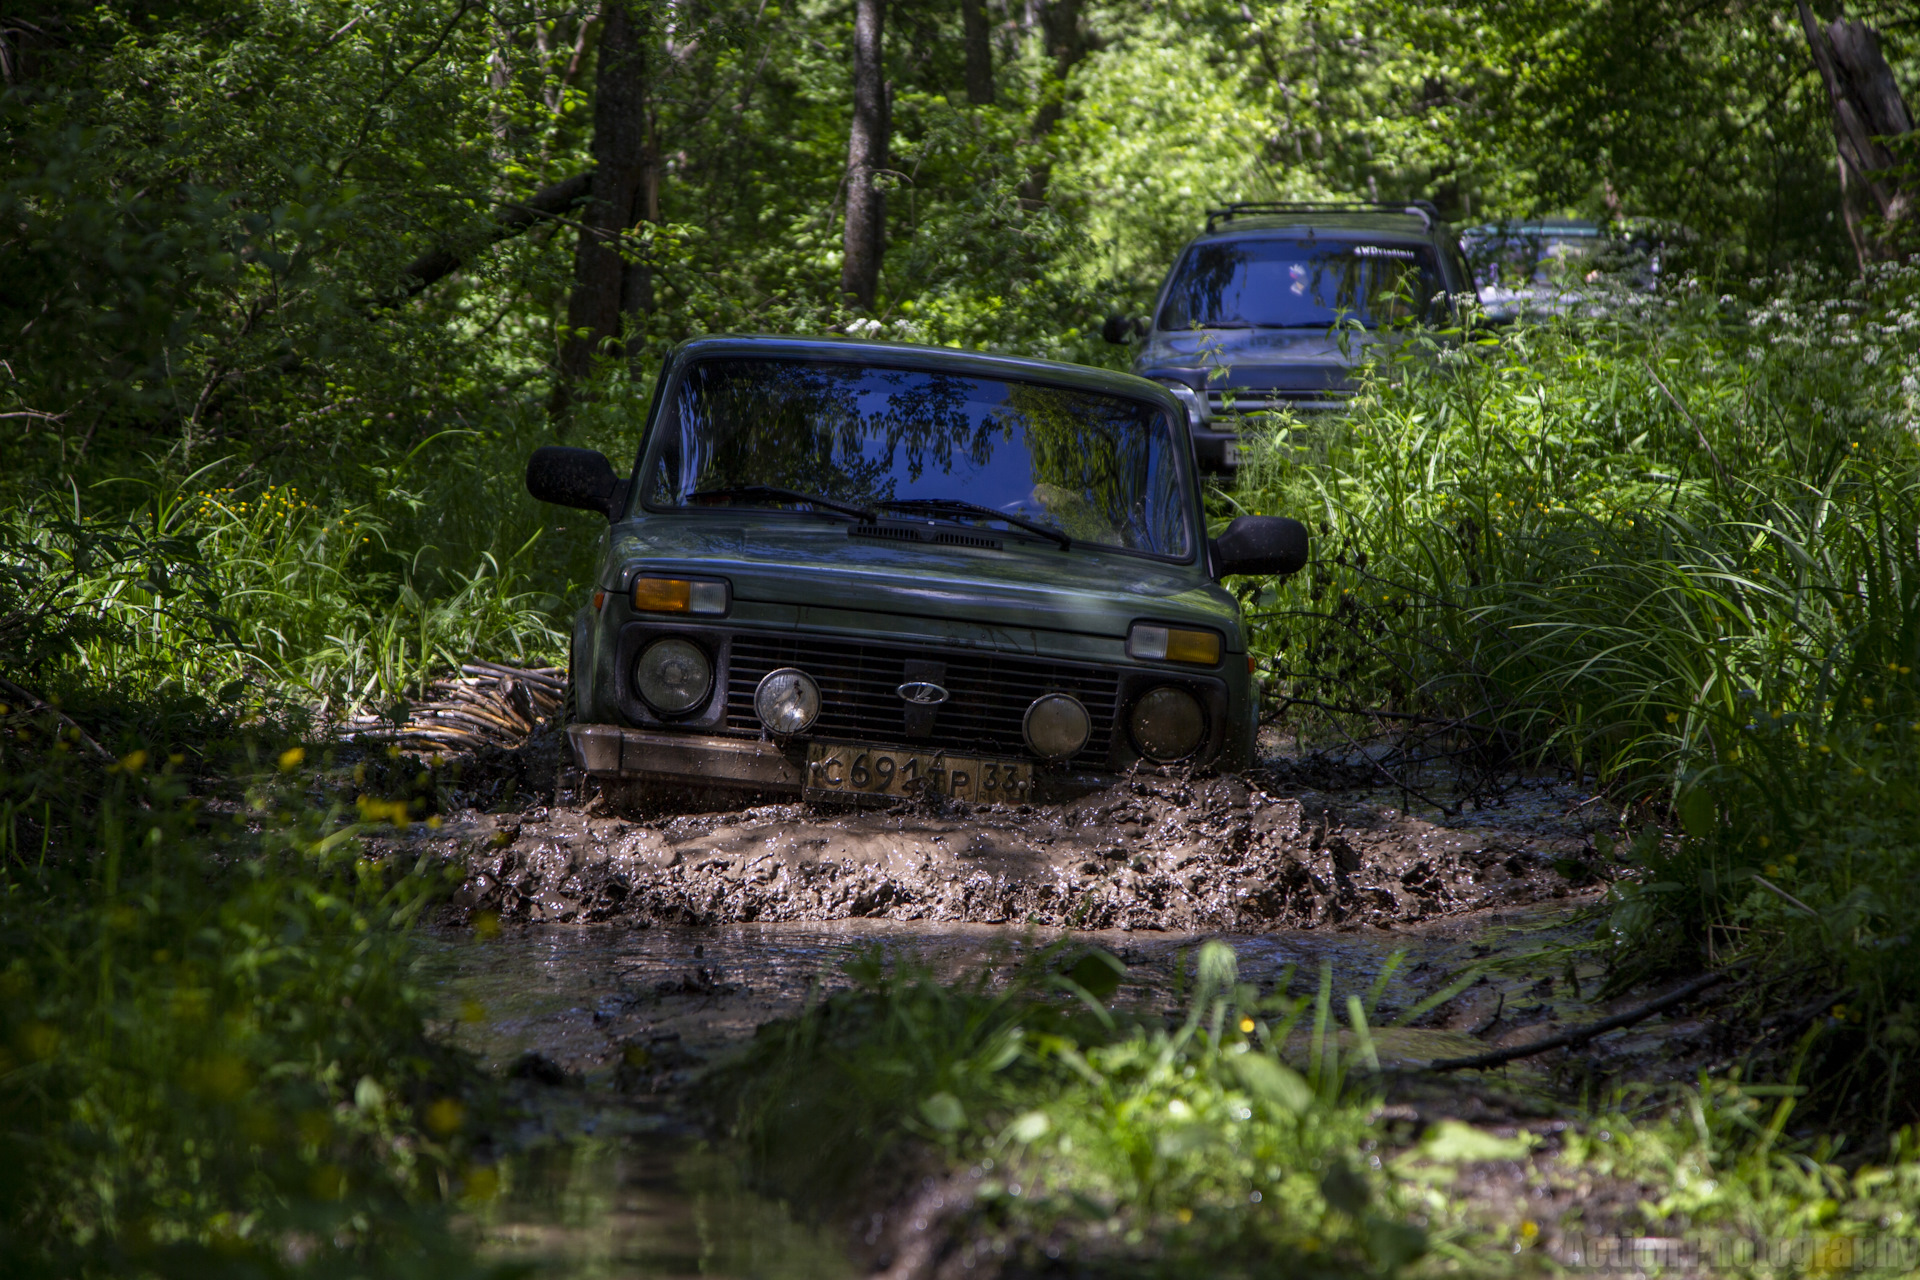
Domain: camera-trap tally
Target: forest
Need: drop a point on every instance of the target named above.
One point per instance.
(290, 289)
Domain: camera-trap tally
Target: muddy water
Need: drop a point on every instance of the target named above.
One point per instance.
(632, 951)
(600, 1028)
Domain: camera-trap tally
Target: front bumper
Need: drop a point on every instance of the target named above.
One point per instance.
(693, 759)
(703, 762)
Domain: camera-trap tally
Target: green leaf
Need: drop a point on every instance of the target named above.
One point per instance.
(1098, 973)
(1186, 1140)
(1452, 1142)
(1394, 1244)
(1027, 1128)
(944, 1112)
(1345, 1190)
(1697, 812)
(1277, 1085)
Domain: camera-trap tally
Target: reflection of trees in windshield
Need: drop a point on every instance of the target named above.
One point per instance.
(1099, 468)
(1299, 284)
(1096, 476)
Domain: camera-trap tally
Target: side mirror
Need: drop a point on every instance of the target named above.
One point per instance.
(1271, 545)
(575, 478)
(1120, 329)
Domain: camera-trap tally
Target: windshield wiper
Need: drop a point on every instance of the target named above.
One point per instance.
(774, 493)
(957, 507)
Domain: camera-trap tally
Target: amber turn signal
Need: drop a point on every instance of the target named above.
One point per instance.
(678, 595)
(1171, 644)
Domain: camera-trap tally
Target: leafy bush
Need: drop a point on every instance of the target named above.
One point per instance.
(212, 1051)
(1670, 548)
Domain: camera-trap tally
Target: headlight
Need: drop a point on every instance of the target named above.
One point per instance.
(1171, 644)
(678, 595)
(1056, 726)
(787, 700)
(673, 675)
(1167, 724)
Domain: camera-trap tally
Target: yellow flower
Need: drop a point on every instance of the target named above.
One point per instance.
(1672, 716)
(291, 758)
(1246, 1026)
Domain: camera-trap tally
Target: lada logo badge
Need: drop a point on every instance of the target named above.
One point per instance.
(922, 693)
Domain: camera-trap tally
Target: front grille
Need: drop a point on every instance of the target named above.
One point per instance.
(988, 693)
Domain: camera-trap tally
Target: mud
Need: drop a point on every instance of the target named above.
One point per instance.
(1152, 853)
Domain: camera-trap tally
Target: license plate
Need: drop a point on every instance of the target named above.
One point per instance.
(839, 769)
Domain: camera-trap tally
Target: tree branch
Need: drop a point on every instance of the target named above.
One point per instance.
(509, 219)
(1580, 1035)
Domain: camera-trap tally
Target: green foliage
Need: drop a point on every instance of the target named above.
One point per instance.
(1724, 1161)
(212, 1051)
(262, 599)
(1140, 1147)
(1670, 549)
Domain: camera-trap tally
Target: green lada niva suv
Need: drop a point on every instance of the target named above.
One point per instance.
(862, 571)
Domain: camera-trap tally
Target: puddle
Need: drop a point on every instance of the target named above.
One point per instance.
(605, 1025)
(582, 995)
(637, 1205)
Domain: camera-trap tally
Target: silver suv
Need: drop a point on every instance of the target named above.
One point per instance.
(1274, 305)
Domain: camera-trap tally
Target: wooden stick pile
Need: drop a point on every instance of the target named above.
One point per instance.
(487, 704)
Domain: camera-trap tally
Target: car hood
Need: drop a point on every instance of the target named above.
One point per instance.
(1282, 359)
(816, 564)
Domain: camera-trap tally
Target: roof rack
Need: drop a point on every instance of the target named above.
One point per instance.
(1421, 209)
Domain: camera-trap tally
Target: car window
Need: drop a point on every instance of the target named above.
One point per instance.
(1263, 283)
(1099, 468)
(1551, 259)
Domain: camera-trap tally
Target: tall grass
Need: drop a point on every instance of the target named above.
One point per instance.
(1672, 550)
(293, 597)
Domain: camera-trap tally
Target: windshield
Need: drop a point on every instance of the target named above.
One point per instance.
(1299, 284)
(1098, 468)
(1553, 259)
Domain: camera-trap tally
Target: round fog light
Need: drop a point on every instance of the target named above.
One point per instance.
(786, 700)
(673, 676)
(1167, 724)
(1056, 726)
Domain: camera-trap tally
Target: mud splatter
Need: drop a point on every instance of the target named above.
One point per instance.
(1151, 853)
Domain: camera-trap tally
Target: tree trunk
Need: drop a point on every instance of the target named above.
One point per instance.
(605, 284)
(973, 24)
(1066, 45)
(1866, 106)
(866, 156)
